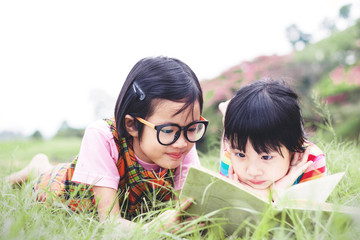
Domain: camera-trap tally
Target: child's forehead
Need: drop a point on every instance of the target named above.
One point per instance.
(161, 102)
(172, 109)
(261, 149)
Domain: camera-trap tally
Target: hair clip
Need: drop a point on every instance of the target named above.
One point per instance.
(138, 91)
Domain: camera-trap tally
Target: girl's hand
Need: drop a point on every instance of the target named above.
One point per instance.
(298, 166)
(170, 220)
(233, 176)
(222, 107)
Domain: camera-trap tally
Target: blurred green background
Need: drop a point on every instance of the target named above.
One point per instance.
(326, 75)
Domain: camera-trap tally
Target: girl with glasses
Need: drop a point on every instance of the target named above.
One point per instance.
(146, 148)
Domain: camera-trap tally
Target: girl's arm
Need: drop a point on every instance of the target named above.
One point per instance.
(108, 208)
(318, 168)
(222, 107)
(298, 165)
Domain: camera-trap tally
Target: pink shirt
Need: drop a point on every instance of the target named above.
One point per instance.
(96, 164)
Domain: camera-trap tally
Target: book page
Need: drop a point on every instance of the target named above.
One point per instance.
(221, 198)
(232, 205)
(317, 190)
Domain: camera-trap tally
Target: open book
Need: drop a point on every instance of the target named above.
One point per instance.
(224, 199)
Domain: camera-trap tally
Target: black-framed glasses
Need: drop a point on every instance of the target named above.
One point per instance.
(167, 134)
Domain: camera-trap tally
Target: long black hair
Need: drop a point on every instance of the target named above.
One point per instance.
(267, 113)
(155, 78)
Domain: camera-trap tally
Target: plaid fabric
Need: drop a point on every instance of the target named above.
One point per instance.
(56, 186)
(139, 189)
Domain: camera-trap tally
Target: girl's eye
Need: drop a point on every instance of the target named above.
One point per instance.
(193, 129)
(164, 130)
(240, 155)
(266, 157)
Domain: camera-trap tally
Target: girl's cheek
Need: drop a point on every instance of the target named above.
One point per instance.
(236, 167)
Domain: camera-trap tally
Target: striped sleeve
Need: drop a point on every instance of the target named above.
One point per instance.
(225, 163)
(315, 170)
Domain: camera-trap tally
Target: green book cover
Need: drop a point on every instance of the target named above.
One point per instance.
(232, 204)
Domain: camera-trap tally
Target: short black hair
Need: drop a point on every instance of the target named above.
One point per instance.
(155, 78)
(267, 113)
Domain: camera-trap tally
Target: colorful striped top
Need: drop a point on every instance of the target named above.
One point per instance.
(314, 171)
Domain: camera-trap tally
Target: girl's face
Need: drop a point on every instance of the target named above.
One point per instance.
(259, 171)
(150, 150)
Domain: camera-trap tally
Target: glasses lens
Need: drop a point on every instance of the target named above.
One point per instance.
(167, 134)
(195, 131)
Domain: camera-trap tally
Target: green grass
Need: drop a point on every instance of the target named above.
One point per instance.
(23, 218)
(15, 154)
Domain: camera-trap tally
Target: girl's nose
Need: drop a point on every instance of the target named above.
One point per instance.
(253, 169)
(181, 142)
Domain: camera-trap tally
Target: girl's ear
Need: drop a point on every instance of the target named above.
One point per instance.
(130, 126)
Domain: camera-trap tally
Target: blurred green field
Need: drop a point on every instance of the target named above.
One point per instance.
(16, 154)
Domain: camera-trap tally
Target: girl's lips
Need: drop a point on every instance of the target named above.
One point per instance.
(175, 155)
(256, 182)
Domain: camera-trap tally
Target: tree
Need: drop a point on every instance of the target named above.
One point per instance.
(296, 37)
(66, 131)
(329, 25)
(37, 135)
(343, 20)
(344, 11)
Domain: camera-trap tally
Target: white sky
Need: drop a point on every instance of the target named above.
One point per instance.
(53, 54)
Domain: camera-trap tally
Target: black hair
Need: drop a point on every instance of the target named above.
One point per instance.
(155, 78)
(267, 113)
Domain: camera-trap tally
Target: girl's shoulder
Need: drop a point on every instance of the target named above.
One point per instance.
(98, 133)
(314, 149)
(100, 123)
(99, 127)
